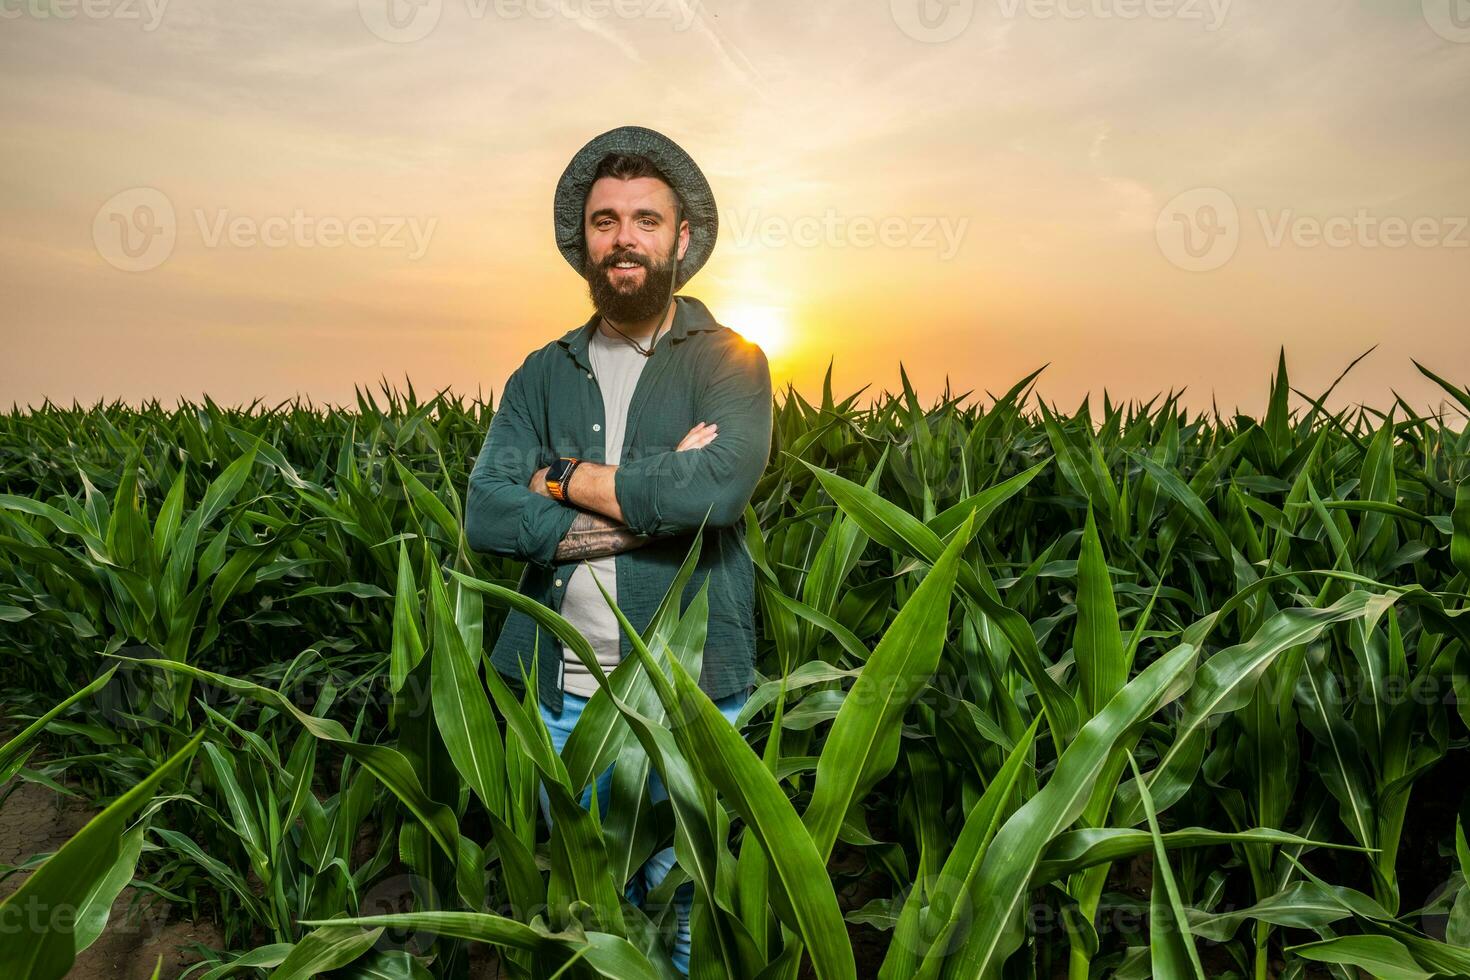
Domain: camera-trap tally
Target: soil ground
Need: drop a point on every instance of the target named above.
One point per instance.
(35, 820)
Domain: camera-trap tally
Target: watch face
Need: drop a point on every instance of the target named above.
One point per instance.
(555, 475)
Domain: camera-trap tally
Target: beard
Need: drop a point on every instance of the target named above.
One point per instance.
(629, 303)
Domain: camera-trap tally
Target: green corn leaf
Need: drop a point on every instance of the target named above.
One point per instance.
(894, 528)
(1005, 874)
(1098, 643)
(1460, 544)
(936, 919)
(1224, 684)
(1088, 847)
(462, 708)
(408, 645)
(395, 964)
(863, 744)
(1171, 946)
(728, 762)
(600, 736)
(709, 743)
(1300, 905)
(93, 910)
(325, 948)
(11, 749)
(43, 946)
(1379, 956)
(696, 841)
(387, 764)
(262, 957)
(246, 825)
(611, 956)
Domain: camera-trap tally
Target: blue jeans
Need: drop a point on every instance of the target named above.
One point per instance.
(661, 863)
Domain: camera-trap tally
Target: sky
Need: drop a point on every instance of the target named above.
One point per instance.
(264, 200)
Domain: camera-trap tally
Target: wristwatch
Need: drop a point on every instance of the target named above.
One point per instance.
(558, 475)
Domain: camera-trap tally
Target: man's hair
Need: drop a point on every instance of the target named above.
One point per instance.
(627, 166)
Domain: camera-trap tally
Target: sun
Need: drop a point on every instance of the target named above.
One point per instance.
(765, 326)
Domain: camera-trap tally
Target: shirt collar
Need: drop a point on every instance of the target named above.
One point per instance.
(690, 316)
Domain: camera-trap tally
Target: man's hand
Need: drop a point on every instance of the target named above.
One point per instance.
(696, 438)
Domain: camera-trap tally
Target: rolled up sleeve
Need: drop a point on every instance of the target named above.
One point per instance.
(672, 492)
(503, 515)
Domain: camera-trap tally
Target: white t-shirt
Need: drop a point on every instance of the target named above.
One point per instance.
(617, 366)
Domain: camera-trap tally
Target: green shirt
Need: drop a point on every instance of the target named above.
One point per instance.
(551, 406)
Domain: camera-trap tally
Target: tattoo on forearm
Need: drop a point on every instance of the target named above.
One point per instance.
(595, 536)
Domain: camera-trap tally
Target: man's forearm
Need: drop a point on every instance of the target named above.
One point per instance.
(595, 536)
(591, 488)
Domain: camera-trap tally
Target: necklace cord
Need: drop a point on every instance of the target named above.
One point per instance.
(636, 346)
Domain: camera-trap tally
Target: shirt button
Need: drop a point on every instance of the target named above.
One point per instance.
(589, 375)
(558, 583)
(596, 427)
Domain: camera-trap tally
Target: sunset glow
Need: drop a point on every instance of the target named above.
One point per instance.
(765, 326)
(269, 199)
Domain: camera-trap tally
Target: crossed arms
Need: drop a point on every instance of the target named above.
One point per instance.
(599, 528)
(703, 480)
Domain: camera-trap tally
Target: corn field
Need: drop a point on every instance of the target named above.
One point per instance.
(1144, 693)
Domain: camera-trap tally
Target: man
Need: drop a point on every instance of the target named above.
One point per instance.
(612, 445)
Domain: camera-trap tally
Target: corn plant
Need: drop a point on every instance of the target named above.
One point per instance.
(1041, 693)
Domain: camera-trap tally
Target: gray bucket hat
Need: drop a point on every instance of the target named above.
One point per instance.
(685, 176)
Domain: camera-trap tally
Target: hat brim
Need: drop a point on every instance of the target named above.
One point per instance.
(684, 175)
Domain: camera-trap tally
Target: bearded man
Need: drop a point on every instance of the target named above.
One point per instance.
(615, 443)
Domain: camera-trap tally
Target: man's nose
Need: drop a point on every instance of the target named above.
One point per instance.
(627, 238)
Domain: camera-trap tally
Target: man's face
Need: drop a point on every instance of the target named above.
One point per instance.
(629, 230)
